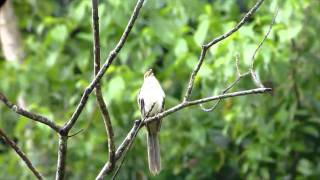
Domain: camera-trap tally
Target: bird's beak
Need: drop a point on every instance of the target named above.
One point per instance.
(148, 73)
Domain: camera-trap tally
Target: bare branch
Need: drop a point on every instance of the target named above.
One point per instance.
(121, 149)
(223, 96)
(194, 73)
(128, 139)
(25, 159)
(208, 99)
(112, 55)
(255, 79)
(214, 41)
(130, 143)
(264, 38)
(62, 155)
(239, 77)
(251, 70)
(182, 105)
(28, 114)
(238, 26)
(124, 148)
(114, 156)
(102, 105)
(127, 142)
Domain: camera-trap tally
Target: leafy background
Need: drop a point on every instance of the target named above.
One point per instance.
(253, 137)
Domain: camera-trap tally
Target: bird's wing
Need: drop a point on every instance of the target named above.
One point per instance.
(141, 106)
(163, 101)
(162, 108)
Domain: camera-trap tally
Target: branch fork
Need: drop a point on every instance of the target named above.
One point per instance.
(116, 154)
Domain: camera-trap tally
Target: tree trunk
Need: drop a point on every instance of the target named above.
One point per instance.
(9, 34)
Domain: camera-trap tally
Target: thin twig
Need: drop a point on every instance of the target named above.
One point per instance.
(102, 105)
(255, 79)
(239, 77)
(25, 159)
(112, 55)
(76, 133)
(238, 26)
(215, 41)
(251, 70)
(62, 155)
(264, 38)
(28, 114)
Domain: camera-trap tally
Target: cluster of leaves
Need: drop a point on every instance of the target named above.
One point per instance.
(254, 137)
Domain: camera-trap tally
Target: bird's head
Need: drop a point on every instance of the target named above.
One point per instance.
(148, 73)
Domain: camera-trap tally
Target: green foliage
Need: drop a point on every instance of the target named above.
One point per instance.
(252, 137)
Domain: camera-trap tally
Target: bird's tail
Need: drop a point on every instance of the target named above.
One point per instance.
(154, 153)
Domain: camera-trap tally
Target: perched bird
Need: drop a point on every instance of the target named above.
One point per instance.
(151, 101)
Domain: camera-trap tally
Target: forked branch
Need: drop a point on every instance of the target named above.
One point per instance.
(112, 55)
(115, 156)
(215, 41)
(126, 143)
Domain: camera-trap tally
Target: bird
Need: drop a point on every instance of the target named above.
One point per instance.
(151, 102)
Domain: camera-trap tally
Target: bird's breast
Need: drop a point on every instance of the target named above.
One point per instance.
(154, 101)
(153, 96)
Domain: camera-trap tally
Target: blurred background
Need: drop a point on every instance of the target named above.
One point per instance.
(270, 136)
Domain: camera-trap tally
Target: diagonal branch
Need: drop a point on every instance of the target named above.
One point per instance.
(112, 55)
(25, 159)
(205, 47)
(253, 74)
(106, 169)
(238, 26)
(28, 114)
(102, 105)
(124, 148)
(131, 135)
(130, 143)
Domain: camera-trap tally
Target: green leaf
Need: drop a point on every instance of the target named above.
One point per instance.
(201, 32)
(304, 167)
(59, 33)
(181, 47)
(116, 87)
(313, 131)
